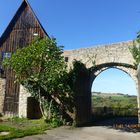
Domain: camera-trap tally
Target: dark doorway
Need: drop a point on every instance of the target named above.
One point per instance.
(33, 109)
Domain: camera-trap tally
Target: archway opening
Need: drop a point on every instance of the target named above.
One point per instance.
(114, 98)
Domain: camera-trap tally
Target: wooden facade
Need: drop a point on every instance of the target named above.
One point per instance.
(20, 32)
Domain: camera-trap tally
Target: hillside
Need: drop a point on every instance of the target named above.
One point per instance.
(108, 104)
(114, 100)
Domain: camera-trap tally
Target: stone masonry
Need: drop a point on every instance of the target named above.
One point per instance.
(103, 54)
(23, 95)
(2, 94)
(117, 52)
(112, 53)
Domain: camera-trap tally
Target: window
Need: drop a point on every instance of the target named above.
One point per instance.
(6, 55)
(66, 59)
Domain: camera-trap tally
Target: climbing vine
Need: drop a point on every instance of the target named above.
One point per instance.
(135, 50)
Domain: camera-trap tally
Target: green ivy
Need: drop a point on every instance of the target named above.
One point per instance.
(135, 50)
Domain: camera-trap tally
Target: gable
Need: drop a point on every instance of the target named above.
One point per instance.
(22, 29)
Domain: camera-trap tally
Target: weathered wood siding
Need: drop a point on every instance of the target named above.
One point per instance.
(18, 34)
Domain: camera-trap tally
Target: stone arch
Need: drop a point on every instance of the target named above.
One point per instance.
(84, 84)
(110, 55)
(127, 68)
(129, 72)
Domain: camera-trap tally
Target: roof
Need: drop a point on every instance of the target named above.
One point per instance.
(12, 22)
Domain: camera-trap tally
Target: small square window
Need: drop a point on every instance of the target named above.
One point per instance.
(6, 55)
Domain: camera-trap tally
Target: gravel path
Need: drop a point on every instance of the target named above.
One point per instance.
(85, 133)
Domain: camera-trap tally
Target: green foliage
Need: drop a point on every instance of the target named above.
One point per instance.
(135, 50)
(115, 105)
(41, 68)
(22, 127)
(40, 60)
(118, 101)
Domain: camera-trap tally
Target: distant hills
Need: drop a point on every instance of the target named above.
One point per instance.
(114, 100)
(111, 94)
(114, 104)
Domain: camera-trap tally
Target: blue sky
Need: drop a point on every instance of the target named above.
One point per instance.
(82, 23)
(114, 81)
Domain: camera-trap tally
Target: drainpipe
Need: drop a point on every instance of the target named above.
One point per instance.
(138, 97)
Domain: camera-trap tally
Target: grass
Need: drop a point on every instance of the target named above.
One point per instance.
(18, 128)
(110, 105)
(116, 101)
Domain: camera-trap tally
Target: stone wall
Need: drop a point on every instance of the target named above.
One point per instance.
(102, 54)
(28, 106)
(23, 95)
(116, 52)
(2, 94)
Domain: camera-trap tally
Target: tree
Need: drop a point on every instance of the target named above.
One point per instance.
(135, 50)
(41, 68)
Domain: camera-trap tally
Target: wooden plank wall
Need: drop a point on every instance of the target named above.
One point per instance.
(19, 33)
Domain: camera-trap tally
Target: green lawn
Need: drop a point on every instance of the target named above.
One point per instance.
(22, 127)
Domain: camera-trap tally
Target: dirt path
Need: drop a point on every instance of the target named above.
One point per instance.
(85, 133)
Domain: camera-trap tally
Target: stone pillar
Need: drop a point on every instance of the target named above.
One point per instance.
(138, 97)
(2, 94)
(83, 98)
(23, 95)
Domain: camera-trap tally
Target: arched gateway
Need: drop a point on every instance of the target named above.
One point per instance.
(115, 55)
